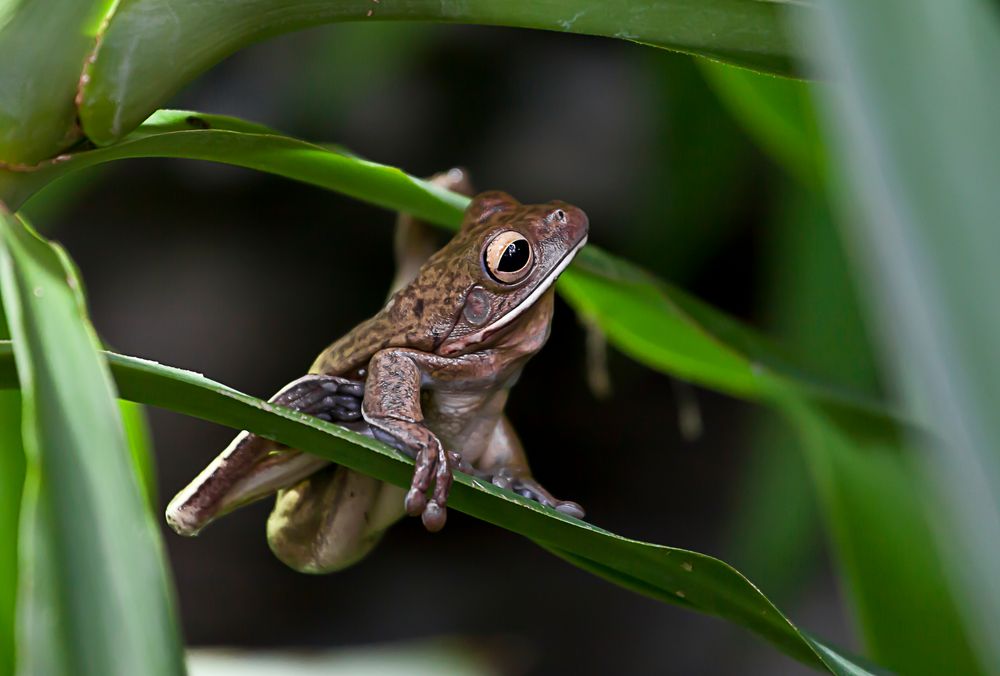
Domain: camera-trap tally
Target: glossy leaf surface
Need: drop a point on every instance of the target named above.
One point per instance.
(678, 576)
(152, 48)
(94, 595)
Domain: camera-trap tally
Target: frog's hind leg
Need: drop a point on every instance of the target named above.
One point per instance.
(506, 466)
(331, 519)
(252, 467)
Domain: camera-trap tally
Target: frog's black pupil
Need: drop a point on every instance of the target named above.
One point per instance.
(514, 257)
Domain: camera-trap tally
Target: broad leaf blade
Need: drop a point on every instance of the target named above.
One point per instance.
(705, 584)
(94, 595)
(152, 48)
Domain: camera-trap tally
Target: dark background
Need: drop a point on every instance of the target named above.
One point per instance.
(246, 277)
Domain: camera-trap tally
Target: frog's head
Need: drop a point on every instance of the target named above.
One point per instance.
(507, 256)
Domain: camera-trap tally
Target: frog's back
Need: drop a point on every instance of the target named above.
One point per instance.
(403, 322)
(348, 356)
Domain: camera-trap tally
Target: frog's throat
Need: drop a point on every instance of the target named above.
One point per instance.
(528, 302)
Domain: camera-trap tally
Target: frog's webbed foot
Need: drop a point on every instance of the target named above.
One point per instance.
(527, 487)
(328, 398)
(252, 467)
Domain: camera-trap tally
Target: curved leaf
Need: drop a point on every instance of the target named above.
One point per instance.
(917, 153)
(152, 48)
(94, 595)
(681, 577)
(873, 501)
(44, 44)
(655, 323)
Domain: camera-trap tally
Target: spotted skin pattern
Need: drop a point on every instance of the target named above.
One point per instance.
(429, 374)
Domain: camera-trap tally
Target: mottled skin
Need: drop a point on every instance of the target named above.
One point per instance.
(436, 365)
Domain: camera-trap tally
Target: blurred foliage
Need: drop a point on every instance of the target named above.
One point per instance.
(912, 129)
(918, 151)
(855, 477)
(82, 507)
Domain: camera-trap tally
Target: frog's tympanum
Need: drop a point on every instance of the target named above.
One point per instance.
(429, 375)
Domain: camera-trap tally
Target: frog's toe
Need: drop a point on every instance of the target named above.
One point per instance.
(432, 463)
(570, 508)
(328, 398)
(527, 487)
(415, 502)
(434, 516)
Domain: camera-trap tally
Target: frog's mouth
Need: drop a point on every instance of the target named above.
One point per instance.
(531, 299)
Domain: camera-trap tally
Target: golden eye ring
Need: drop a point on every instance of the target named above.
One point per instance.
(508, 257)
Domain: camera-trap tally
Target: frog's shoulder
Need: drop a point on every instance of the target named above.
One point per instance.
(407, 320)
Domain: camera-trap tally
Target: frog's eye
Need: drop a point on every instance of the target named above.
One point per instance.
(508, 257)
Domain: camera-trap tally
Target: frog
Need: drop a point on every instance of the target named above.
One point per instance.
(429, 374)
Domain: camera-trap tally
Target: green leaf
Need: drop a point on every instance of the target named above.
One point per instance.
(778, 113)
(140, 446)
(44, 44)
(217, 138)
(681, 577)
(648, 319)
(94, 595)
(913, 123)
(11, 486)
(867, 488)
(152, 48)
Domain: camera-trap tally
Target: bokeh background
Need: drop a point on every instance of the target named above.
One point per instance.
(245, 277)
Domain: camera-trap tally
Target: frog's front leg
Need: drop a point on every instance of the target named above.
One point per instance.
(506, 466)
(252, 467)
(392, 408)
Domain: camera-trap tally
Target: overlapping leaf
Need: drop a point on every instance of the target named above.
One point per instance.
(648, 319)
(689, 579)
(93, 592)
(44, 44)
(152, 48)
(917, 155)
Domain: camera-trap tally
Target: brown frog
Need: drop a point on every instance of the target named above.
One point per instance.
(429, 375)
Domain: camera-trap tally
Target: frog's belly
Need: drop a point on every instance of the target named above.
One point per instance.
(464, 421)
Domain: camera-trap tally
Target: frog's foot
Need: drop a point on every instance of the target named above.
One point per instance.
(252, 467)
(433, 465)
(328, 398)
(527, 487)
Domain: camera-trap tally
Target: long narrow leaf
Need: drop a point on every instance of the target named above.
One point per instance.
(655, 323)
(682, 577)
(152, 48)
(94, 595)
(11, 487)
(914, 120)
(871, 498)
